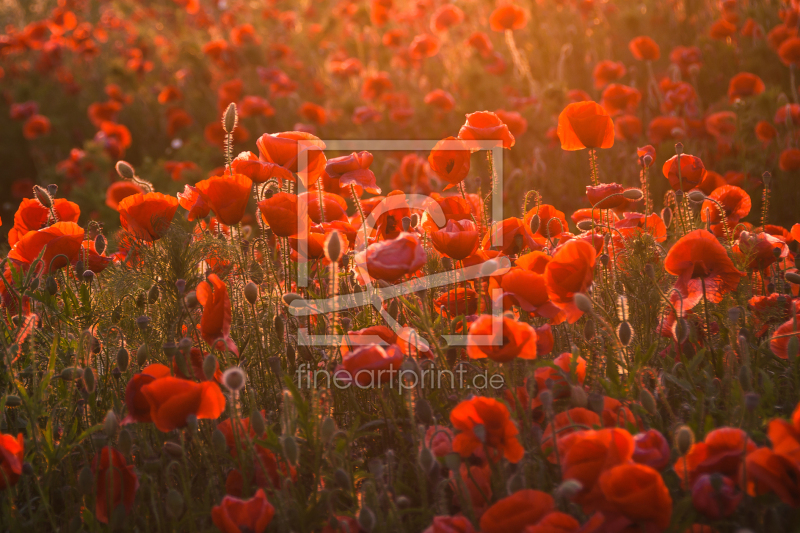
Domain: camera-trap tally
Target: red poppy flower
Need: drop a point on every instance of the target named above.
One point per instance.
(734, 201)
(517, 339)
(450, 159)
(390, 260)
(353, 169)
(110, 465)
(376, 85)
(722, 452)
(651, 449)
(516, 123)
(371, 364)
(147, 216)
(313, 113)
(227, 196)
(136, 403)
(779, 344)
(194, 202)
(457, 302)
(533, 261)
(119, 190)
(769, 472)
(334, 206)
(644, 48)
(639, 494)
(607, 71)
(454, 208)
(721, 30)
(664, 128)
(692, 172)
(32, 215)
(498, 432)
(457, 240)
(508, 17)
(446, 17)
(743, 85)
(571, 365)
(569, 272)
(280, 212)
(447, 524)
(481, 43)
(759, 249)
(439, 98)
(514, 513)
(790, 160)
(585, 125)
(169, 94)
(514, 236)
(528, 290)
(36, 126)
(789, 51)
(100, 112)
(619, 98)
(172, 400)
(12, 452)
(628, 127)
(233, 515)
(715, 496)
(215, 323)
(765, 131)
(62, 238)
(412, 176)
(485, 126)
(423, 46)
(284, 150)
(178, 119)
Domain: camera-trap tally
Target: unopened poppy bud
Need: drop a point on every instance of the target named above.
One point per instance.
(71, 373)
(596, 402)
(535, 221)
(257, 422)
(666, 216)
(100, 244)
(777, 251)
(43, 196)
(125, 170)
(697, 196)
(633, 194)
(426, 460)
(279, 326)
(143, 322)
(334, 246)
(290, 297)
(588, 330)
(79, 268)
(414, 220)
(745, 378)
(342, 479)
(88, 276)
(583, 303)
(424, 411)
(679, 194)
(452, 461)
(231, 118)
(141, 355)
(209, 366)
(51, 286)
(89, 380)
(684, 440)
(751, 401)
(191, 300)
(546, 397)
(406, 223)
(569, 488)
(625, 333)
(174, 503)
(173, 449)
(681, 330)
(792, 277)
(219, 442)
(52, 190)
(125, 442)
(678, 148)
(402, 502)
(86, 481)
(116, 314)
(366, 519)
(516, 482)
(152, 294)
(110, 424)
(578, 396)
(585, 225)
(327, 429)
(180, 286)
(251, 293)
(123, 359)
(647, 160)
(648, 401)
(394, 309)
(604, 260)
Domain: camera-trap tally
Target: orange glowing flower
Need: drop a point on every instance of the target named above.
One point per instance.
(585, 125)
(498, 432)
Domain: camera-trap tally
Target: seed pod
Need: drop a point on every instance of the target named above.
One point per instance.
(233, 378)
(88, 276)
(604, 260)
(43, 196)
(174, 503)
(143, 322)
(123, 359)
(219, 442)
(125, 170)
(110, 424)
(231, 118)
(141, 355)
(210, 366)
(86, 481)
(251, 293)
(89, 380)
(125, 442)
(583, 303)
(278, 323)
(648, 401)
(684, 440)
(51, 286)
(679, 148)
(647, 160)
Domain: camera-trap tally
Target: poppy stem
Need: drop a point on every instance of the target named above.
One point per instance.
(715, 359)
(462, 188)
(593, 164)
(321, 203)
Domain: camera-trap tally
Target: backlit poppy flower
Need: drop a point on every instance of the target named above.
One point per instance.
(618, 98)
(450, 159)
(686, 57)
(638, 493)
(147, 216)
(250, 165)
(789, 51)
(451, 524)
(569, 272)
(32, 215)
(110, 466)
(644, 48)
(628, 127)
(513, 235)
(36, 126)
(457, 240)
(23, 110)
(376, 85)
(498, 432)
(215, 323)
(453, 207)
(533, 261)
(607, 71)
(508, 17)
(12, 452)
(790, 160)
(388, 337)
(119, 190)
(313, 113)
(565, 423)
(721, 30)
(169, 94)
(528, 290)
(485, 126)
(280, 212)
(194, 202)
(423, 46)
(478, 481)
(572, 366)
(514, 513)
(585, 125)
(457, 302)
(651, 449)
(172, 400)
(760, 250)
(353, 169)
(779, 344)
(787, 115)
(735, 203)
(722, 452)
(767, 471)
(227, 196)
(715, 496)
(605, 195)
(177, 119)
(115, 138)
(176, 169)
(412, 176)
(100, 112)
(439, 98)
(481, 42)
(615, 414)
(285, 149)
(446, 17)
(512, 339)
(62, 238)
(390, 260)
(765, 131)
(555, 522)
(517, 125)
(136, 403)
(267, 473)
(692, 172)
(371, 365)
(233, 515)
(743, 85)
(664, 128)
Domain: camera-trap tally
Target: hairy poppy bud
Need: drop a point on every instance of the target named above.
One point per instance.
(516, 482)
(231, 118)
(100, 244)
(697, 196)
(71, 373)
(52, 190)
(152, 294)
(333, 246)
(792, 277)
(684, 439)
(141, 355)
(406, 223)
(578, 396)
(366, 519)
(681, 330)
(89, 380)
(125, 442)
(51, 286)
(257, 422)
(625, 333)
(209, 366)
(426, 460)
(647, 160)
(666, 216)
(174, 503)
(191, 300)
(546, 397)
(648, 401)
(535, 221)
(588, 330)
(123, 359)
(767, 178)
(251, 292)
(43, 196)
(279, 326)
(342, 479)
(583, 303)
(585, 225)
(86, 481)
(110, 424)
(745, 378)
(125, 170)
(327, 429)
(678, 148)
(219, 442)
(633, 194)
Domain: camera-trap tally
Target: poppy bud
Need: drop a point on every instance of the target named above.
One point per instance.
(251, 292)
(578, 396)
(89, 380)
(274, 363)
(604, 259)
(678, 148)
(568, 489)
(535, 221)
(588, 330)
(257, 423)
(180, 286)
(697, 196)
(43, 196)
(681, 330)
(110, 424)
(71, 373)
(88, 276)
(333, 246)
(100, 244)
(209, 366)
(152, 294)
(290, 297)
(52, 190)
(366, 519)
(219, 442)
(516, 482)
(342, 479)
(424, 411)
(51, 286)
(679, 194)
(647, 160)
(279, 326)
(426, 460)
(625, 333)
(633, 194)
(414, 220)
(34, 284)
(231, 118)
(143, 322)
(648, 401)
(402, 502)
(751, 400)
(585, 225)
(86, 481)
(125, 442)
(596, 402)
(666, 216)
(452, 461)
(191, 300)
(327, 429)
(684, 440)
(141, 355)
(546, 397)
(583, 303)
(744, 350)
(745, 378)
(792, 277)
(123, 359)
(79, 268)
(174, 503)
(125, 170)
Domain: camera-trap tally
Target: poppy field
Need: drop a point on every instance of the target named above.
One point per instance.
(363, 266)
